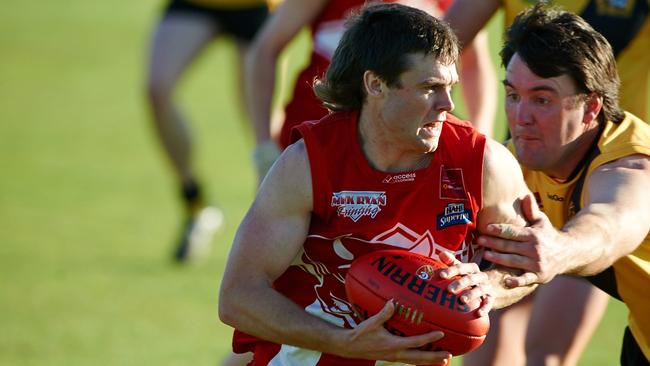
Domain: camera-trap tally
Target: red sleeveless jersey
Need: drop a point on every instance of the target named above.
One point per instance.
(358, 209)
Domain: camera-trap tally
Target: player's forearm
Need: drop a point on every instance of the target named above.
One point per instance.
(479, 84)
(504, 296)
(260, 84)
(599, 236)
(467, 17)
(267, 314)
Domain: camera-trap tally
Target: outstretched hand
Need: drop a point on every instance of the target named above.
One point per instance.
(370, 340)
(536, 249)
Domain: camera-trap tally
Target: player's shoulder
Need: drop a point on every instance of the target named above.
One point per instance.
(457, 122)
(497, 154)
(334, 119)
(461, 127)
(291, 173)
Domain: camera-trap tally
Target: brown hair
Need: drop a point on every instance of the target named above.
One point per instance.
(378, 39)
(553, 42)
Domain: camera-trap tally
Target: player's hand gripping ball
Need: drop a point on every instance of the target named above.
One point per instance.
(422, 301)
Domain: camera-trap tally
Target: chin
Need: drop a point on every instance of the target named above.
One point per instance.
(429, 145)
(532, 164)
(429, 148)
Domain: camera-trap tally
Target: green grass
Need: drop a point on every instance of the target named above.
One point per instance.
(88, 207)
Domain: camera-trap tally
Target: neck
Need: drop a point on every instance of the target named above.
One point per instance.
(384, 153)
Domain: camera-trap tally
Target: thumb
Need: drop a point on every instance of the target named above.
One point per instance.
(530, 210)
(385, 313)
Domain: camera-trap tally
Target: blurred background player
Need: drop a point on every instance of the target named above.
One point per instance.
(547, 336)
(184, 30)
(325, 18)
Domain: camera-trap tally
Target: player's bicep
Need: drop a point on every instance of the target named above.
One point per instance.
(275, 227)
(503, 188)
(621, 183)
(616, 193)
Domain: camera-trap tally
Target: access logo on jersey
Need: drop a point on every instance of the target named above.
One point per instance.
(452, 185)
(399, 178)
(455, 214)
(357, 204)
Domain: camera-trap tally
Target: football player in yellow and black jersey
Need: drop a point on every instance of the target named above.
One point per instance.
(588, 163)
(183, 31)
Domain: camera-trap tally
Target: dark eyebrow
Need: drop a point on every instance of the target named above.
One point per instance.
(437, 82)
(536, 88)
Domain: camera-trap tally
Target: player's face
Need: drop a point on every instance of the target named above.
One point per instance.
(413, 112)
(545, 119)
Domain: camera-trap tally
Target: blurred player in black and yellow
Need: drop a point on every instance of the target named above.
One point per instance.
(184, 30)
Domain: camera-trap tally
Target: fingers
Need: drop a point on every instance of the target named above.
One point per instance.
(448, 258)
(471, 282)
(508, 231)
(386, 313)
(468, 284)
(418, 357)
(372, 340)
(412, 353)
(512, 260)
(506, 246)
(525, 279)
(459, 269)
(487, 303)
(421, 340)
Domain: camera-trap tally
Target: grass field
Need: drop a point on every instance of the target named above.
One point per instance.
(88, 208)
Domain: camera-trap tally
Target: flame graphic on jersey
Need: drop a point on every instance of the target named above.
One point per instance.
(329, 278)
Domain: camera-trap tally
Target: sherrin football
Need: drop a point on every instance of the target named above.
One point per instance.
(423, 303)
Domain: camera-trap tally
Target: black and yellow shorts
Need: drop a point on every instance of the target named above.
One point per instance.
(241, 23)
(631, 354)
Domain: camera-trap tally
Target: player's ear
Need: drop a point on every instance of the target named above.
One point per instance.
(372, 84)
(593, 105)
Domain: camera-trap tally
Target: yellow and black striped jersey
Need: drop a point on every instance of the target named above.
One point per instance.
(628, 278)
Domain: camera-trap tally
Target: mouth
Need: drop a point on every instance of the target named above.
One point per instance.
(525, 138)
(432, 129)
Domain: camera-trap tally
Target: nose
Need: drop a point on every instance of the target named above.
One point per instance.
(521, 114)
(444, 103)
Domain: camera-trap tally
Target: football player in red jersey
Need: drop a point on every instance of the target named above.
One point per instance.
(333, 195)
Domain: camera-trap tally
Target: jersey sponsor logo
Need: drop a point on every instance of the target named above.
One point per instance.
(399, 178)
(455, 214)
(452, 184)
(554, 197)
(356, 204)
